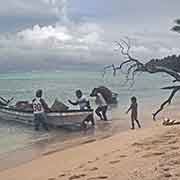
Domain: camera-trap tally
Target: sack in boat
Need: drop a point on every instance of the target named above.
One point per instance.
(58, 106)
(24, 105)
(106, 93)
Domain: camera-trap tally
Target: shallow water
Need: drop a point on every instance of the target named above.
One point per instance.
(62, 84)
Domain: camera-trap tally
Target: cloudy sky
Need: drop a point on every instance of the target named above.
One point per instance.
(51, 34)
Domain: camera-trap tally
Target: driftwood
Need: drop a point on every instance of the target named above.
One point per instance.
(169, 122)
(133, 66)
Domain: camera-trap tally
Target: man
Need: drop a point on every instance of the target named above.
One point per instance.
(82, 101)
(102, 106)
(39, 109)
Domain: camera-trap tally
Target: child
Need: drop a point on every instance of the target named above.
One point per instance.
(134, 108)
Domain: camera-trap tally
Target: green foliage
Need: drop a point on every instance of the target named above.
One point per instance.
(176, 28)
(177, 21)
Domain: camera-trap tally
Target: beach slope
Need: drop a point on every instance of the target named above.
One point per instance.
(148, 154)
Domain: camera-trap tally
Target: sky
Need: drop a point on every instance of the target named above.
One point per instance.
(52, 34)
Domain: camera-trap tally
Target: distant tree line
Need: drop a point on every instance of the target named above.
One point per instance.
(170, 62)
(176, 27)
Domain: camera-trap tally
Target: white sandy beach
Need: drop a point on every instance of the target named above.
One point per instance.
(148, 154)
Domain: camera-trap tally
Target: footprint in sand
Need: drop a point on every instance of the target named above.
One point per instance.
(156, 142)
(93, 169)
(174, 148)
(114, 162)
(137, 151)
(77, 176)
(171, 155)
(117, 150)
(137, 144)
(122, 156)
(106, 154)
(91, 161)
(169, 136)
(99, 177)
(175, 162)
(166, 169)
(51, 178)
(173, 141)
(62, 175)
(177, 174)
(153, 154)
(148, 148)
(167, 175)
(81, 166)
(162, 164)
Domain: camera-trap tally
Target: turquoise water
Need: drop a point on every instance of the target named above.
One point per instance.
(62, 85)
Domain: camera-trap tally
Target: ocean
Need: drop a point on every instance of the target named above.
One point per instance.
(62, 85)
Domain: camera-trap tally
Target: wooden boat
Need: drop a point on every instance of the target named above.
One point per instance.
(54, 118)
(114, 99)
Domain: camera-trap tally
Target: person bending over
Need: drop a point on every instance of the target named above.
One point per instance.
(102, 106)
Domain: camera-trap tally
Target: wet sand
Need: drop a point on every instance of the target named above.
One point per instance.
(110, 151)
(29, 145)
(148, 154)
(59, 140)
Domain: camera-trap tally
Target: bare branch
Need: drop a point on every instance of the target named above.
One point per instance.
(124, 50)
(109, 67)
(168, 101)
(169, 71)
(153, 66)
(133, 66)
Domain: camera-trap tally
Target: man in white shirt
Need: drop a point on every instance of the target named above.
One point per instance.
(39, 108)
(102, 106)
(82, 101)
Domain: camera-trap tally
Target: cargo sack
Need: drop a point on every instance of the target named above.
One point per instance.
(24, 106)
(106, 93)
(58, 106)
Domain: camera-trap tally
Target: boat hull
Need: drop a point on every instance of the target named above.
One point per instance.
(53, 118)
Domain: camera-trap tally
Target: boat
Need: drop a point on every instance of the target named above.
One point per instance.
(114, 99)
(54, 119)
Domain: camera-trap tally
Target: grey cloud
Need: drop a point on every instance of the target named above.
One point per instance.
(44, 33)
(24, 8)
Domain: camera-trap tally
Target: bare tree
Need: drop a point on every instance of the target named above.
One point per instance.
(133, 66)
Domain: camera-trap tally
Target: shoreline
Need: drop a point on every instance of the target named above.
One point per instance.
(41, 148)
(38, 149)
(148, 154)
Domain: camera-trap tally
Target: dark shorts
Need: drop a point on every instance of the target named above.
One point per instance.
(40, 119)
